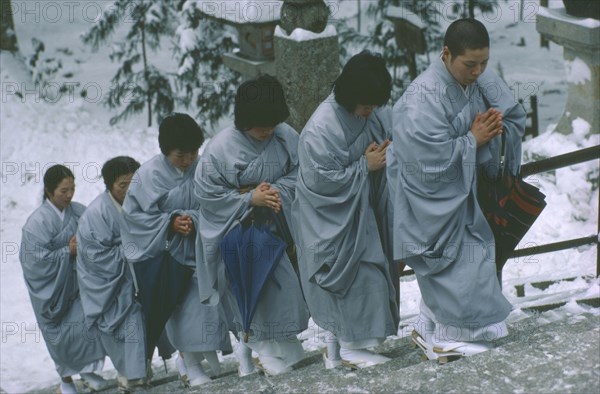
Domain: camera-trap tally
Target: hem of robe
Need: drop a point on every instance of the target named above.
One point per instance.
(361, 344)
(465, 332)
(117, 350)
(93, 366)
(355, 337)
(127, 351)
(201, 341)
(85, 339)
(290, 351)
(338, 314)
(463, 305)
(225, 346)
(256, 336)
(196, 327)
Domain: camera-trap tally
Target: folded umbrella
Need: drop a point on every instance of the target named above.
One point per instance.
(161, 284)
(251, 254)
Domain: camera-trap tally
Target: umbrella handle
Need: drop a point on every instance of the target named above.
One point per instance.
(134, 278)
(245, 337)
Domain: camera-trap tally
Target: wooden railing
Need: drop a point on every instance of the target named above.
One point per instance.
(553, 163)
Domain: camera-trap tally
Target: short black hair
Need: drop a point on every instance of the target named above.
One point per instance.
(54, 176)
(116, 167)
(260, 102)
(364, 80)
(466, 33)
(179, 131)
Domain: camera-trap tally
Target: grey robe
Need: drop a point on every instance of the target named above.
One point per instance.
(344, 260)
(230, 161)
(439, 229)
(106, 287)
(51, 278)
(157, 192)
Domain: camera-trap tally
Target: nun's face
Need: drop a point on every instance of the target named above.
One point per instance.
(261, 133)
(182, 160)
(466, 68)
(63, 194)
(120, 186)
(364, 110)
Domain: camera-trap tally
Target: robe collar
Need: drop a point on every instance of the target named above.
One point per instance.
(351, 124)
(178, 173)
(61, 214)
(115, 202)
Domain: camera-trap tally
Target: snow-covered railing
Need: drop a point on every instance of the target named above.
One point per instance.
(553, 163)
(560, 161)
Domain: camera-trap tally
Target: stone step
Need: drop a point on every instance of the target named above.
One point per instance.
(562, 356)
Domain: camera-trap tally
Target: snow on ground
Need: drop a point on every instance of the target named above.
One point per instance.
(75, 131)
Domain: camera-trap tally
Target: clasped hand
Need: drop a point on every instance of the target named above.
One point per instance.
(376, 155)
(182, 224)
(266, 196)
(73, 246)
(486, 126)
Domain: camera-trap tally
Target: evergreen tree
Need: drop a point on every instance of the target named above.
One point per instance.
(381, 38)
(203, 80)
(137, 83)
(469, 6)
(8, 37)
(42, 69)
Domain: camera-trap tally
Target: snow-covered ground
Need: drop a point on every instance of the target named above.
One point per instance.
(36, 134)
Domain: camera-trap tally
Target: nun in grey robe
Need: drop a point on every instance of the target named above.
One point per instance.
(106, 287)
(231, 161)
(340, 218)
(439, 229)
(51, 278)
(159, 191)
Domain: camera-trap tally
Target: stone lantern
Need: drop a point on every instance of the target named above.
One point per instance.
(255, 22)
(309, 15)
(256, 40)
(289, 39)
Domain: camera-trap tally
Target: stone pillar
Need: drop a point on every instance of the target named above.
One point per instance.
(306, 57)
(580, 38)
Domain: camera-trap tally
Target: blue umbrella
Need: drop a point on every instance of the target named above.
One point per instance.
(251, 253)
(283, 231)
(282, 227)
(161, 284)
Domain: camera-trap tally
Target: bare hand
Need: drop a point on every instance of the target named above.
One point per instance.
(375, 155)
(182, 224)
(486, 126)
(73, 246)
(266, 196)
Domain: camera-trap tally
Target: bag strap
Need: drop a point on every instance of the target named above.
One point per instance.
(502, 168)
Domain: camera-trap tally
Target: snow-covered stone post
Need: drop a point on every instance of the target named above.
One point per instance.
(306, 57)
(580, 38)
